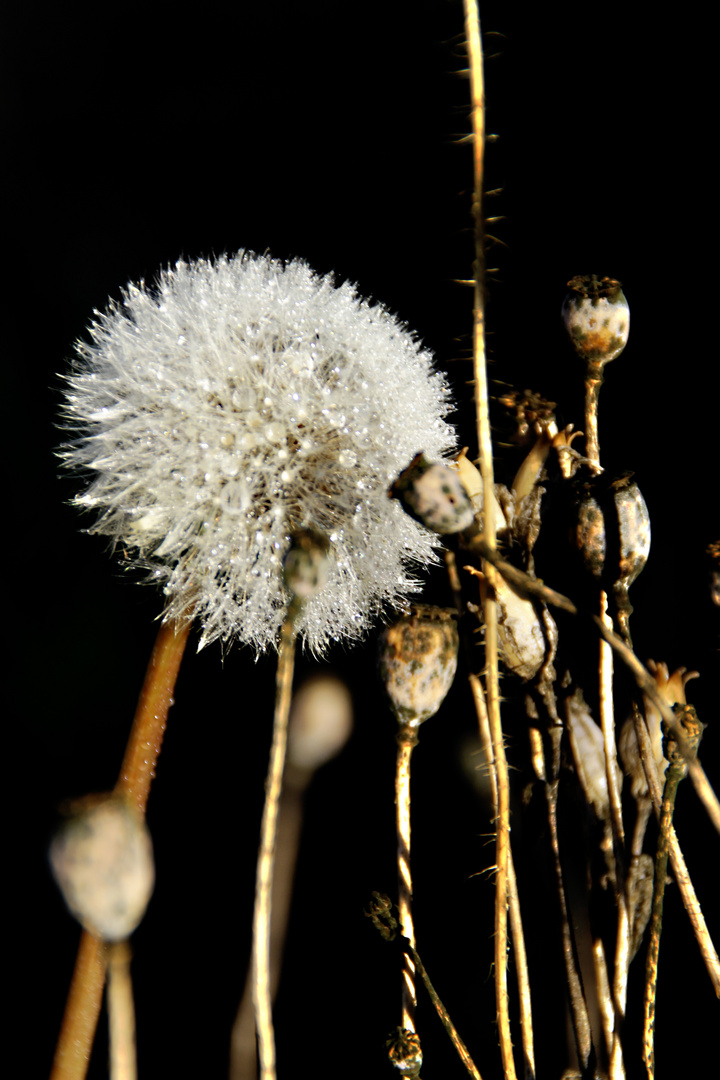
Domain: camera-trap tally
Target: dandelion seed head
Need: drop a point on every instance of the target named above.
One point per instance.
(237, 402)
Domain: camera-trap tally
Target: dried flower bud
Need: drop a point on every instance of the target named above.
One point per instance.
(306, 564)
(405, 1051)
(433, 494)
(321, 718)
(597, 318)
(672, 689)
(102, 860)
(418, 660)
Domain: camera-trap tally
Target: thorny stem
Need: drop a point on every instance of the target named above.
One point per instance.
(262, 991)
(72, 1055)
(472, 25)
(407, 741)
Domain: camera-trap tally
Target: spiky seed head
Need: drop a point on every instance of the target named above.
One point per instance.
(236, 403)
(597, 318)
(418, 661)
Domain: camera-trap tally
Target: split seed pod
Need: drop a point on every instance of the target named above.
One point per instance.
(418, 661)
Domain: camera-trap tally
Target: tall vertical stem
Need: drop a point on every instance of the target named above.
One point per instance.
(262, 991)
(472, 23)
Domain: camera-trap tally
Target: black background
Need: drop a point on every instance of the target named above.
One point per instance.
(138, 135)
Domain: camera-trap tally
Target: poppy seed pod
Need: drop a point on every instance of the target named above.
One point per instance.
(597, 318)
(611, 531)
(433, 494)
(102, 860)
(418, 660)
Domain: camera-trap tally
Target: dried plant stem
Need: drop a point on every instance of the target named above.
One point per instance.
(262, 990)
(528, 586)
(593, 382)
(622, 948)
(442, 1012)
(680, 870)
(673, 777)
(474, 45)
(407, 739)
(516, 926)
(121, 1011)
(605, 1001)
(578, 1005)
(243, 1043)
(82, 1010)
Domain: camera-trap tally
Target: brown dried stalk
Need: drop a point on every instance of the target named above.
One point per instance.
(72, 1055)
(474, 45)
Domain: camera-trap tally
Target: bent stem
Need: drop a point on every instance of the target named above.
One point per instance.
(262, 989)
(72, 1055)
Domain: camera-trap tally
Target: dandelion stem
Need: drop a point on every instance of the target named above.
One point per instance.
(262, 989)
(72, 1055)
(474, 45)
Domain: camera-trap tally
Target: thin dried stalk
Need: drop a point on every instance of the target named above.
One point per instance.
(121, 1011)
(407, 741)
(472, 24)
(622, 949)
(262, 989)
(72, 1055)
(516, 926)
(682, 877)
(447, 1023)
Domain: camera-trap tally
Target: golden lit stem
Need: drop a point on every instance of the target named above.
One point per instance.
(262, 991)
(472, 24)
(407, 741)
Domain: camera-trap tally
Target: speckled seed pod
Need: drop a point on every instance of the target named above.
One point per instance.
(102, 860)
(418, 660)
(597, 318)
(306, 564)
(433, 494)
(588, 535)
